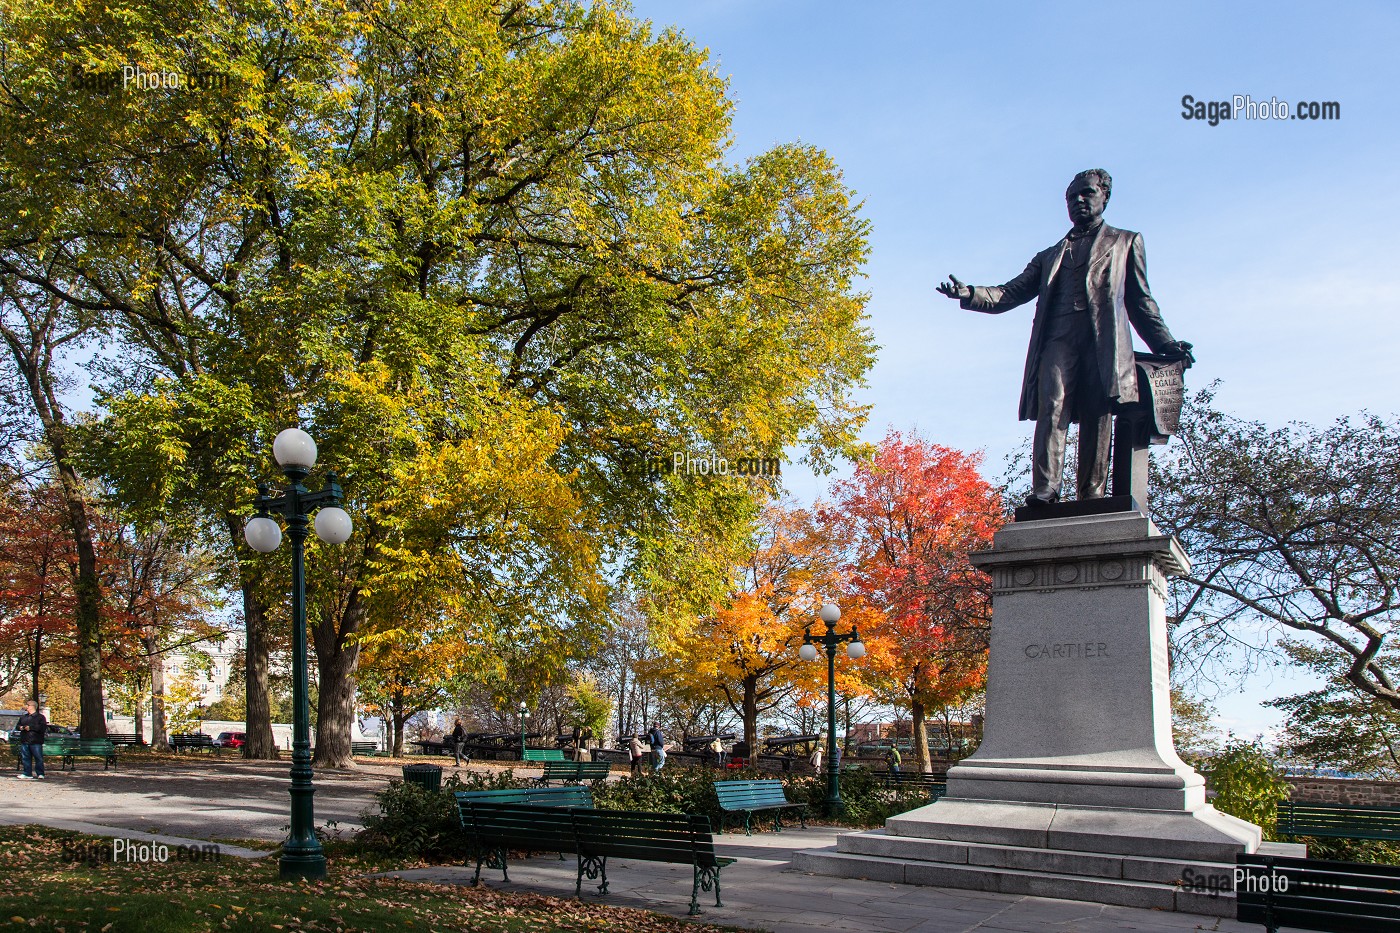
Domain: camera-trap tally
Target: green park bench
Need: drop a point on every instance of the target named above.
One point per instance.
(594, 836)
(566, 796)
(750, 797)
(1336, 821)
(574, 771)
(1313, 894)
(543, 754)
(364, 748)
(67, 749)
(931, 784)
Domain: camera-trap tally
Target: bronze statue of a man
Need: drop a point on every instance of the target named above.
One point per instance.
(1088, 288)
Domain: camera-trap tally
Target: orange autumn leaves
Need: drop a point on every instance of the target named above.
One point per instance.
(891, 548)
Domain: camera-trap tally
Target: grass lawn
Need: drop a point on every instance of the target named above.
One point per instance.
(47, 889)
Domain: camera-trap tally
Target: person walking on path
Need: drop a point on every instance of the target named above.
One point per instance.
(459, 738)
(32, 727)
(634, 748)
(894, 758)
(658, 746)
(717, 746)
(816, 760)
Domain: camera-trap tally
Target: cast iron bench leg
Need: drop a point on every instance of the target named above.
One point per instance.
(591, 867)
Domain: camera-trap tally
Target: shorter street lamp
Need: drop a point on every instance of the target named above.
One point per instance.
(296, 455)
(829, 614)
(524, 714)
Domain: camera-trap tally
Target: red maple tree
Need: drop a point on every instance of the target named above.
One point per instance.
(906, 521)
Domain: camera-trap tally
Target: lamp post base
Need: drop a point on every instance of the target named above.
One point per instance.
(309, 865)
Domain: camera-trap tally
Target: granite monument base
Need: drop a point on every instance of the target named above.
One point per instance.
(1076, 790)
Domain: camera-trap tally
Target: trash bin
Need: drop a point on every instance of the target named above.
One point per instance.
(429, 777)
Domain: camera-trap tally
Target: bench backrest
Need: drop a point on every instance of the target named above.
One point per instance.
(510, 825)
(1313, 894)
(576, 770)
(543, 754)
(72, 745)
(741, 795)
(554, 797)
(198, 738)
(565, 795)
(1305, 819)
(655, 837)
(465, 798)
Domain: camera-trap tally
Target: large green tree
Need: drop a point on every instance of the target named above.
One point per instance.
(426, 231)
(1293, 534)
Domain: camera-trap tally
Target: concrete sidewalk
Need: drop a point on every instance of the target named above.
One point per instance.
(761, 890)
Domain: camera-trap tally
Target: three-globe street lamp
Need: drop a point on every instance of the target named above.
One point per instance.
(829, 614)
(296, 455)
(524, 714)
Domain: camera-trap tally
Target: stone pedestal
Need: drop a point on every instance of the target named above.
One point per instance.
(1076, 782)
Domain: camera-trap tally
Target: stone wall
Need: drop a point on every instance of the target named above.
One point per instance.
(1345, 791)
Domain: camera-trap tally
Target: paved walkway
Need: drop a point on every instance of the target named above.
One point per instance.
(760, 890)
(206, 798)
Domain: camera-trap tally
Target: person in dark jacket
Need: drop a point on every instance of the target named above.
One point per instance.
(32, 726)
(657, 739)
(459, 737)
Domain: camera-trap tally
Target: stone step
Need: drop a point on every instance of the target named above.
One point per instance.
(1027, 858)
(1120, 891)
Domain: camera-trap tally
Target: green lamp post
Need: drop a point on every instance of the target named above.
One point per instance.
(830, 613)
(295, 452)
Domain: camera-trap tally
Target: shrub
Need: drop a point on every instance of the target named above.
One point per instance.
(1247, 784)
(414, 822)
(1371, 851)
(691, 790)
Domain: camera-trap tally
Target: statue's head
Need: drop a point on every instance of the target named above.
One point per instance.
(1087, 196)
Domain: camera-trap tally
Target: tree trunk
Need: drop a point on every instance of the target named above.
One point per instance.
(159, 738)
(138, 718)
(34, 669)
(336, 660)
(257, 716)
(916, 709)
(750, 716)
(398, 718)
(33, 354)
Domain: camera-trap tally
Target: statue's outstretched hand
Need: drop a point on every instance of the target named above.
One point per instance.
(954, 289)
(1181, 350)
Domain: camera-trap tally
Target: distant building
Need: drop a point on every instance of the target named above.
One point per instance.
(209, 680)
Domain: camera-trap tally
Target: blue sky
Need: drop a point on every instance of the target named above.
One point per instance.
(1270, 245)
